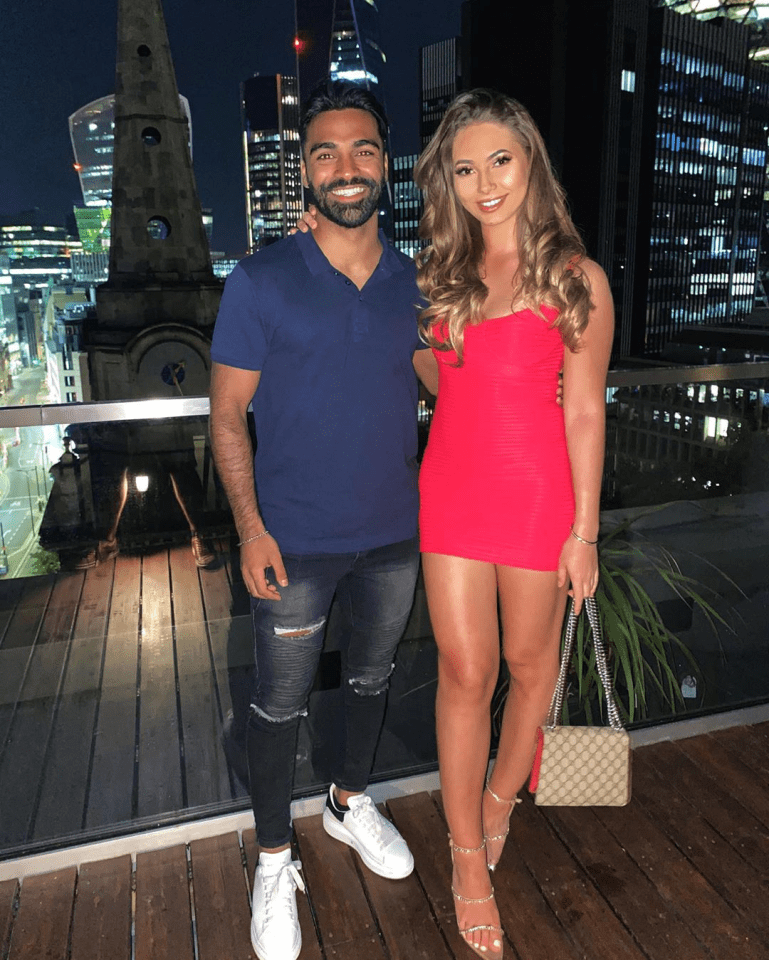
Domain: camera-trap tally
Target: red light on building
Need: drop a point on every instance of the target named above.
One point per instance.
(77, 167)
(300, 45)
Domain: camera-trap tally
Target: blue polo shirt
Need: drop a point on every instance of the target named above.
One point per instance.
(335, 410)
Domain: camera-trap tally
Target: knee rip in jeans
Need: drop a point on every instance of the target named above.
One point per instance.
(257, 711)
(371, 686)
(298, 632)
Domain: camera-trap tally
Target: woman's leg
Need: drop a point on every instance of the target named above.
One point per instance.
(462, 598)
(532, 608)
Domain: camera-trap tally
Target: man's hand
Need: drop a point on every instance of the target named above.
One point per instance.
(256, 558)
(307, 221)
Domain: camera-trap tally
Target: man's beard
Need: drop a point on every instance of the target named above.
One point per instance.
(349, 214)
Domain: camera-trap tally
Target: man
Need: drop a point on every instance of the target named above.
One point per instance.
(320, 331)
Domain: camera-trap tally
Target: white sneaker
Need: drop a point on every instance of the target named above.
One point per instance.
(363, 828)
(275, 933)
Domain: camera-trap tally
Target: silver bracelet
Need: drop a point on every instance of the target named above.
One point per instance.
(590, 543)
(257, 537)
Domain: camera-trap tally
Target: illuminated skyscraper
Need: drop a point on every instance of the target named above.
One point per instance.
(407, 206)
(272, 157)
(750, 13)
(440, 73)
(356, 55)
(705, 176)
(657, 125)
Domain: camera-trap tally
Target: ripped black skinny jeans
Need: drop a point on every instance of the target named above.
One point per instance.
(375, 589)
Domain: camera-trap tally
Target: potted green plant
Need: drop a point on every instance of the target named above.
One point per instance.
(640, 647)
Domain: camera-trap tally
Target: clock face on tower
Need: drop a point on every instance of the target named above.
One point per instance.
(172, 369)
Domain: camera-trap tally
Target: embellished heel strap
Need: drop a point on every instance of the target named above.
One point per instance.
(458, 849)
(458, 896)
(508, 803)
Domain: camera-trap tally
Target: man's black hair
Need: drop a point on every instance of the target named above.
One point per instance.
(336, 95)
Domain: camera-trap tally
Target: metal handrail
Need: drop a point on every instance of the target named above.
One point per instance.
(169, 408)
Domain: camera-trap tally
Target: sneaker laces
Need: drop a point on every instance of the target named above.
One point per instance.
(279, 888)
(365, 813)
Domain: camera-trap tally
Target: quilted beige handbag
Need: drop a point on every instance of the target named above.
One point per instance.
(582, 766)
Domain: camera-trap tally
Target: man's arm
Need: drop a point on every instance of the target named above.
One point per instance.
(231, 393)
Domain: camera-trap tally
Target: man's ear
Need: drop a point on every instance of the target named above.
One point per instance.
(305, 182)
(386, 166)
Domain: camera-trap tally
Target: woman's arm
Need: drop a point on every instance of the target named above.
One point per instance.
(584, 372)
(426, 367)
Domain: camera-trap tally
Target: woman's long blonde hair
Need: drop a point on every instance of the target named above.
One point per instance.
(549, 245)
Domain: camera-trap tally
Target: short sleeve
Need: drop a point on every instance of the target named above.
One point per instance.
(239, 336)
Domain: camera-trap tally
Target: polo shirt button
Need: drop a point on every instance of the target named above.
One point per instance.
(348, 282)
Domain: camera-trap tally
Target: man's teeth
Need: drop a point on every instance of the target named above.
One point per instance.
(347, 191)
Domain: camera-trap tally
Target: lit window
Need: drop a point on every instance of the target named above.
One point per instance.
(627, 83)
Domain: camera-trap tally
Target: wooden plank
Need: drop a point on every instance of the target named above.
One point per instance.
(11, 592)
(724, 766)
(22, 763)
(205, 765)
(568, 890)
(112, 788)
(712, 921)
(66, 772)
(750, 746)
(42, 924)
(632, 896)
(160, 774)
(222, 908)
(404, 918)
(717, 804)
(163, 918)
(304, 903)
(739, 883)
(8, 892)
(340, 903)
(232, 649)
(101, 928)
(18, 642)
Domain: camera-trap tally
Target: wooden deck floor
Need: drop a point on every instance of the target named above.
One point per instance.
(116, 684)
(680, 874)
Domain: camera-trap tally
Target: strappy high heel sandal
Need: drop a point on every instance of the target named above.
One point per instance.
(496, 949)
(500, 836)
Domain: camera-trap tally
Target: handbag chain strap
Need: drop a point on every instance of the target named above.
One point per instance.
(556, 704)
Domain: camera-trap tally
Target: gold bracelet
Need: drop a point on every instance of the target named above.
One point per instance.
(590, 543)
(257, 537)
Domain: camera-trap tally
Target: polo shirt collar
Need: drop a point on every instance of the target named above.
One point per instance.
(318, 263)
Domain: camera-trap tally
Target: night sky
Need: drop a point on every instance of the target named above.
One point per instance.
(60, 56)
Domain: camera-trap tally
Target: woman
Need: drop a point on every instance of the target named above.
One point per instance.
(510, 483)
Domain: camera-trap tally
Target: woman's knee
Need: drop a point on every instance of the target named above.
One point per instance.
(468, 680)
(533, 672)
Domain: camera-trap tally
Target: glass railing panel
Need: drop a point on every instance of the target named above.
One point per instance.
(686, 470)
(126, 655)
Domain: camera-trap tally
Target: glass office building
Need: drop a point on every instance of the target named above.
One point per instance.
(272, 157)
(750, 13)
(710, 109)
(356, 55)
(440, 80)
(407, 205)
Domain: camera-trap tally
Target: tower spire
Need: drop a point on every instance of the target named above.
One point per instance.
(156, 312)
(157, 229)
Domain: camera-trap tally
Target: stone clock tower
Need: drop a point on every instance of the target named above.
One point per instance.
(156, 312)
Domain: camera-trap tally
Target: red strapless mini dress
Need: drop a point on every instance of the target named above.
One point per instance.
(495, 483)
